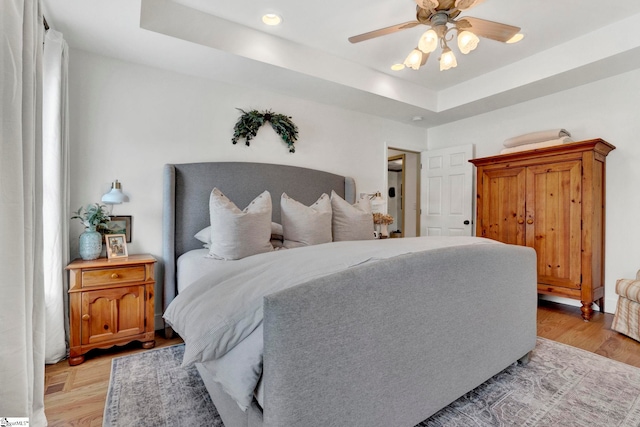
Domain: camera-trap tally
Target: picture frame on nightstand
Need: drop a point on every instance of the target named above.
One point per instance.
(116, 246)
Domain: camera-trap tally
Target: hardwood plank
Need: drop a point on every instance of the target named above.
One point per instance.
(75, 395)
(562, 323)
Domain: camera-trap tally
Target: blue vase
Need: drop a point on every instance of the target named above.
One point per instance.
(90, 244)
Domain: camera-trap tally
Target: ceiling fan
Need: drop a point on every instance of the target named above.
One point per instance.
(443, 16)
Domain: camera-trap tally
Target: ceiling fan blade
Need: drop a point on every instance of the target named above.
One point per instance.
(383, 31)
(488, 29)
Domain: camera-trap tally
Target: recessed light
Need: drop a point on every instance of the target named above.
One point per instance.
(271, 19)
(516, 38)
(397, 67)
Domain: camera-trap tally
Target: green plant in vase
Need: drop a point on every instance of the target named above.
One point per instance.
(95, 218)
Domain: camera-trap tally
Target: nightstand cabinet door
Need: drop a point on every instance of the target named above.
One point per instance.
(112, 314)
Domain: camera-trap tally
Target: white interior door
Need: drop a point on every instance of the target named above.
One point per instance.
(447, 192)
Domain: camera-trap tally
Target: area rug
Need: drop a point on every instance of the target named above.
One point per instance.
(561, 386)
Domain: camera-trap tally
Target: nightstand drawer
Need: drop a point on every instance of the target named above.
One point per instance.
(110, 276)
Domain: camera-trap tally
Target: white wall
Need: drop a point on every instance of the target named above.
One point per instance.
(608, 109)
(127, 121)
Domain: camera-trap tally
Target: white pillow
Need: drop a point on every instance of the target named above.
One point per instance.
(204, 235)
(305, 225)
(351, 222)
(237, 234)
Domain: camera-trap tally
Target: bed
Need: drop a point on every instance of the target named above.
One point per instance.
(404, 329)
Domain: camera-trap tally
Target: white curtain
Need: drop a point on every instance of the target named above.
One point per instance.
(21, 278)
(55, 168)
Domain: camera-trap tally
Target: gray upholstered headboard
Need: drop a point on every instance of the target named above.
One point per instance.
(186, 199)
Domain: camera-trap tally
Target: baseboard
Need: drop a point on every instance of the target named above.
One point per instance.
(158, 322)
(610, 304)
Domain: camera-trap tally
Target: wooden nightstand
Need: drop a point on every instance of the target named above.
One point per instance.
(110, 303)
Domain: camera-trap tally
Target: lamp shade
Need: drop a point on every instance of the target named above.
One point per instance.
(414, 60)
(115, 196)
(447, 60)
(378, 204)
(467, 41)
(428, 41)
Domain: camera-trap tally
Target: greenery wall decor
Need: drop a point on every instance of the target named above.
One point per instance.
(250, 122)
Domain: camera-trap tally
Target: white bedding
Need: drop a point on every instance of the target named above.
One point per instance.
(217, 312)
(193, 265)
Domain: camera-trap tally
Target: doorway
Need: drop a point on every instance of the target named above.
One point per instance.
(403, 192)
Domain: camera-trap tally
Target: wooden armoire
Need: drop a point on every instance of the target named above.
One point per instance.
(553, 200)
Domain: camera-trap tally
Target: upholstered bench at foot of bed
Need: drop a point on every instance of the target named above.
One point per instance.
(627, 317)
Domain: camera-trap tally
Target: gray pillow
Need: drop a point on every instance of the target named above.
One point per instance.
(351, 222)
(236, 233)
(305, 225)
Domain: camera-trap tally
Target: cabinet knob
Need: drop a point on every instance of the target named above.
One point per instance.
(114, 276)
(85, 317)
(520, 221)
(529, 221)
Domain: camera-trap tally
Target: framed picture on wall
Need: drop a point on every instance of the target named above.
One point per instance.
(120, 224)
(116, 246)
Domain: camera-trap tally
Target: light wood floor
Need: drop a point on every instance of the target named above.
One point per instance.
(563, 324)
(75, 396)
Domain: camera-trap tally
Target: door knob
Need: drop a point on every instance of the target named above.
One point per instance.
(529, 221)
(520, 221)
(466, 222)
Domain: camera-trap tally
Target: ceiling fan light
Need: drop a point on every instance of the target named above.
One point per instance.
(467, 41)
(447, 60)
(414, 59)
(465, 4)
(516, 38)
(428, 41)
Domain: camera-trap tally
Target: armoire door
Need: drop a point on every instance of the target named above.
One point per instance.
(553, 221)
(501, 205)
